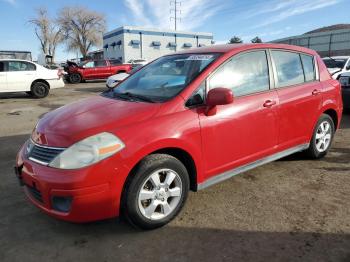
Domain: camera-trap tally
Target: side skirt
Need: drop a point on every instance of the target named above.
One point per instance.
(228, 174)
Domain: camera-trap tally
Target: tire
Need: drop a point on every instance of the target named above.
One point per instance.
(75, 78)
(322, 137)
(148, 203)
(39, 90)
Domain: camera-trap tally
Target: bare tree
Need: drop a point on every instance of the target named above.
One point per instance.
(235, 40)
(256, 40)
(47, 31)
(82, 28)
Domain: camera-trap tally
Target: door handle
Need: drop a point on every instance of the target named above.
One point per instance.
(269, 103)
(316, 92)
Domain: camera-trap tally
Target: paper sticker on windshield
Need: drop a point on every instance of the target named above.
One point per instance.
(200, 57)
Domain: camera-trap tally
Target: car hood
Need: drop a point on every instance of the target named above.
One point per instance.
(73, 122)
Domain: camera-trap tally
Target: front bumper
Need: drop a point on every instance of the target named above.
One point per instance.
(94, 192)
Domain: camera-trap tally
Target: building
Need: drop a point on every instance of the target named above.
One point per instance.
(327, 41)
(96, 55)
(24, 55)
(127, 42)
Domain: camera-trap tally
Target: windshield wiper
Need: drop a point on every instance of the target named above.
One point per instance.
(132, 96)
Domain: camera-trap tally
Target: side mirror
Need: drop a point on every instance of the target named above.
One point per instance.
(347, 67)
(218, 96)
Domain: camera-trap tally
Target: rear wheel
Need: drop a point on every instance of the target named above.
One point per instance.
(322, 137)
(157, 191)
(39, 90)
(75, 78)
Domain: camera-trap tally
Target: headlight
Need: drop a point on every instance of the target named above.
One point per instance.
(88, 151)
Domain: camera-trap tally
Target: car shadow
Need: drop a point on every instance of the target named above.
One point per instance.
(91, 89)
(17, 95)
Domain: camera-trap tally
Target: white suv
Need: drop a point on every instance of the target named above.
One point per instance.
(25, 76)
(337, 65)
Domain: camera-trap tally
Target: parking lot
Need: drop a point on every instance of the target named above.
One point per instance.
(290, 210)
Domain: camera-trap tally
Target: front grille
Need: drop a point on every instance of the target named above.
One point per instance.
(43, 154)
(35, 193)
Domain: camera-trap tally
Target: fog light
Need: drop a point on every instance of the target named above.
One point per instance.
(61, 204)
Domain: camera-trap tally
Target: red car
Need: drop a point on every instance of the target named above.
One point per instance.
(183, 122)
(92, 70)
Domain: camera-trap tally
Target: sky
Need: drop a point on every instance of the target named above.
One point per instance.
(268, 19)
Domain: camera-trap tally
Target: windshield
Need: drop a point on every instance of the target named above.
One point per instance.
(164, 78)
(334, 63)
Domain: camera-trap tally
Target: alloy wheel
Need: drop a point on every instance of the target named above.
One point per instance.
(160, 194)
(323, 136)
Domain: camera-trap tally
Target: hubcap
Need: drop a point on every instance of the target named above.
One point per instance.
(40, 90)
(160, 194)
(323, 136)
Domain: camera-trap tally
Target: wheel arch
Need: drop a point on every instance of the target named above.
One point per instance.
(183, 155)
(334, 115)
(40, 81)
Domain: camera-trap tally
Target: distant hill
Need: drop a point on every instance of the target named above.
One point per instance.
(329, 28)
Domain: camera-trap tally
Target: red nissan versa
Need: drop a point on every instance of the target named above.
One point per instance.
(183, 122)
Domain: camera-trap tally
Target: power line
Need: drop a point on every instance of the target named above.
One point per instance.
(176, 10)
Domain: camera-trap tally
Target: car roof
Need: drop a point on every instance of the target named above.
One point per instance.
(232, 48)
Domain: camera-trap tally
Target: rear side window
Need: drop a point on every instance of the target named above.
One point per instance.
(309, 67)
(244, 74)
(20, 66)
(289, 68)
(100, 63)
(2, 66)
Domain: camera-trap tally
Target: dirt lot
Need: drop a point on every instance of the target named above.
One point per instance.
(290, 210)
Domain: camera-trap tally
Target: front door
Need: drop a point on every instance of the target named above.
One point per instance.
(89, 70)
(247, 129)
(101, 69)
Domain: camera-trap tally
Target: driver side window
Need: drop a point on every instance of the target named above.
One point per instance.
(89, 64)
(244, 74)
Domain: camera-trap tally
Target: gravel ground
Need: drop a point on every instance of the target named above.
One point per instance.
(290, 210)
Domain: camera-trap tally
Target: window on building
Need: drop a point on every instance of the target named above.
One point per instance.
(309, 67)
(289, 68)
(244, 74)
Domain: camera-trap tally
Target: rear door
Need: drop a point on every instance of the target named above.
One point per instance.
(3, 77)
(246, 130)
(300, 96)
(102, 69)
(20, 75)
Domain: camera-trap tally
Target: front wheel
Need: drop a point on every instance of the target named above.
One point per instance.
(322, 137)
(157, 191)
(75, 78)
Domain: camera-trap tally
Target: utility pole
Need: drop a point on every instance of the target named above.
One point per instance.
(176, 10)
